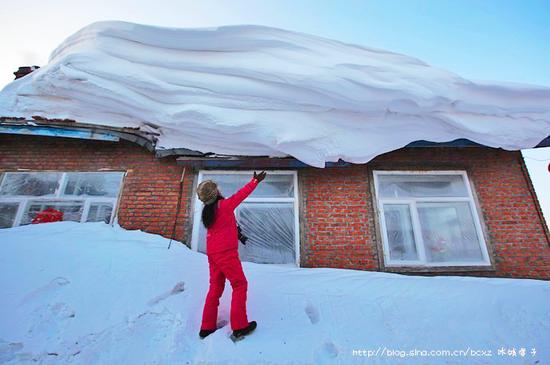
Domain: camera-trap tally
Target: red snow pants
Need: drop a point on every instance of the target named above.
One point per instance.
(226, 264)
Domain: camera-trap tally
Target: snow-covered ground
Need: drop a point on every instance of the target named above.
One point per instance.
(95, 294)
(255, 90)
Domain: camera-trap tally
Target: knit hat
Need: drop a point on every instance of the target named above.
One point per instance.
(207, 191)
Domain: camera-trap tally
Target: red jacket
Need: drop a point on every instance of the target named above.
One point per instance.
(222, 234)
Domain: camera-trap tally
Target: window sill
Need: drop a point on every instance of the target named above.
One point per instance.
(436, 269)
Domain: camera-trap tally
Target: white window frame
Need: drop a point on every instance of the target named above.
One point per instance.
(416, 222)
(25, 200)
(197, 204)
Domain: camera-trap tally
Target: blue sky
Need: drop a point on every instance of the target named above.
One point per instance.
(487, 40)
(500, 40)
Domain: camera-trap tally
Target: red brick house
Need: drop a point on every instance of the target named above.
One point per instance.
(455, 208)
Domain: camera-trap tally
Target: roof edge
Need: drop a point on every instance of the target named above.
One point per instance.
(72, 129)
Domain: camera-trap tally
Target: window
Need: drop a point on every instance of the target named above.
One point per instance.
(81, 196)
(429, 219)
(268, 217)
(7, 214)
(30, 184)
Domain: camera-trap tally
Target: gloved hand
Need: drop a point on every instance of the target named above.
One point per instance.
(241, 236)
(259, 176)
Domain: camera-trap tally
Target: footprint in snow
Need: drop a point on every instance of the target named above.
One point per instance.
(326, 353)
(8, 351)
(50, 319)
(47, 289)
(160, 336)
(178, 288)
(312, 313)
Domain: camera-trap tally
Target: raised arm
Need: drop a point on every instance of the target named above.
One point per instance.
(234, 200)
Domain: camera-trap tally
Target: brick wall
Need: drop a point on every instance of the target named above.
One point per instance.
(337, 220)
(149, 194)
(338, 227)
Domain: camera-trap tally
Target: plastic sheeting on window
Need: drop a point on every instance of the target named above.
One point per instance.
(269, 225)
(270, 231)
(93, 183)
(400, 232)
(30, 183)
(100, 212)
(273, 186)
(7, 214)
(406, 186)
(449, 232)
(446, 230)
(89, 196)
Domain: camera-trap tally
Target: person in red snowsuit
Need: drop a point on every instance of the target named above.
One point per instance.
(223, 257)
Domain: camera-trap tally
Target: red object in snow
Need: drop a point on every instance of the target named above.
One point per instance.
(224, 263)
(48, 215)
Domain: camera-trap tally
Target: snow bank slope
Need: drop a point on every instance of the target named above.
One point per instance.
(251, 90)
(92, 294)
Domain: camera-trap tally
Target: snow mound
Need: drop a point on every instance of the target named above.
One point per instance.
(260, 91)
(90, 293)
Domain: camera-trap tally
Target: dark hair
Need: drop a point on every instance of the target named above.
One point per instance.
(209, 212)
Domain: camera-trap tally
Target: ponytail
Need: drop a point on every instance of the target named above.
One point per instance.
(209, 212)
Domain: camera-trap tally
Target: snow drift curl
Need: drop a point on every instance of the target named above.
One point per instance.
(253, 90)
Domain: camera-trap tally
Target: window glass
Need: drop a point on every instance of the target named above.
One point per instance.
(100, 212)
(202, 236)
(399, 231)
(270, 231)
(72, 210)
(93, 183)
(449, 232)
(268, 221)
(92, 195)
(30, 183)
(422, 185)
(440, 209)
(273, 186)
(7, 214)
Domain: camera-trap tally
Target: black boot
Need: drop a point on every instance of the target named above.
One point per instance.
(220, 324)
(204, 333)
(240, 333)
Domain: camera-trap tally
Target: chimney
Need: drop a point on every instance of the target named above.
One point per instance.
(24, 70)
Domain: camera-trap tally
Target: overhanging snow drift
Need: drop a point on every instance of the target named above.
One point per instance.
(259, 91)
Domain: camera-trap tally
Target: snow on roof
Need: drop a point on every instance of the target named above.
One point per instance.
(260, 91)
